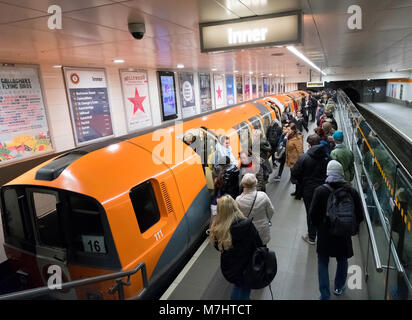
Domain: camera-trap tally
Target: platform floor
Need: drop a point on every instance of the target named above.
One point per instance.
(397, 115)
(297, 261)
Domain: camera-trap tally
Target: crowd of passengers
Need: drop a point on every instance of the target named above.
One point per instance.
(243, 211)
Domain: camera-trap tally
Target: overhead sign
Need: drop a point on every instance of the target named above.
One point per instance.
(259, 31)
(318, 84)
(89, 102)
(24, 131)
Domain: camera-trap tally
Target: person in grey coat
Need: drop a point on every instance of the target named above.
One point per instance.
(257, 206)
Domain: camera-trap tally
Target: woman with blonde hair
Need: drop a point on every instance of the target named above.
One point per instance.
(236, 238)
(256, 205)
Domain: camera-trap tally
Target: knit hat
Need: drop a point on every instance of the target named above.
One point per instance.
(334, 168)
(338, 136)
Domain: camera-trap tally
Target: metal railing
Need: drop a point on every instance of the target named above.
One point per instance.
(343, 101)
(118, 287)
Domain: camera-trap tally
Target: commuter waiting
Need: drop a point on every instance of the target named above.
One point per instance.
(310, 172)
(223, 150)
(280, 154)
(334, 240)
(344, 156)
(294, 148)
(250, 163)
(257, 206)
(236, 238)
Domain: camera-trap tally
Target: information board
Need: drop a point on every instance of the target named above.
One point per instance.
(136, 99)
(168, 95)
(205, 92)
(219, 82)
(239, 88)
(89, 104)
(187, 94)
(230, 89)
(24, 130)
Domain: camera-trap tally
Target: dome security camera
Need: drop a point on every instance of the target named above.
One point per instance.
(137, 30)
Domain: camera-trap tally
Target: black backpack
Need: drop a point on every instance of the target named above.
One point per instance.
(261, 270)
(340, 211)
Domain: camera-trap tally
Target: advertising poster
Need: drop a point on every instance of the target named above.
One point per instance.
(265, 86)
(89, 104)
(260, 87)
(168, 94)
(205, 92)
(239, 88)
(247, 88)
(187, 94)
(136, 99)
(24, 130)
(219, 81)
(254, 88)
(230, 89)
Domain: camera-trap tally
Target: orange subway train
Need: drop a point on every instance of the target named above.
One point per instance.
(110, 206)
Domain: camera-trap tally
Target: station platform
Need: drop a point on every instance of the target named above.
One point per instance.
(398, 115)
(296, 278)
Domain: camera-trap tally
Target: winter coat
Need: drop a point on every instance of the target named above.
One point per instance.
(310, 169)
(294, 148)
(261, 213)
(273, 135)
(245, 239)
(301, 123)
(327, 244)
(345, 157)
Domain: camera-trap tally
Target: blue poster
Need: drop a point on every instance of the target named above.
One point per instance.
(265, 86)
(230, 89)
(168, 95)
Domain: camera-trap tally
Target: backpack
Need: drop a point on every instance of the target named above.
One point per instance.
(340, 212)
(261, 269)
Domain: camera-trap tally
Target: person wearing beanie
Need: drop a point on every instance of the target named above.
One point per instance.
(344, 156)
(328, 245)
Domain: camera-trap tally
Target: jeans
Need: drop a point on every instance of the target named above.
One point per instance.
(281, 166)
(240, 292)
(307, 199)
(323, 275)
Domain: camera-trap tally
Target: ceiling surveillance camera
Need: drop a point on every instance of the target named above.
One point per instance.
(137, 30)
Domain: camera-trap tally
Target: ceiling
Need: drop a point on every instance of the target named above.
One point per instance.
(96, 31)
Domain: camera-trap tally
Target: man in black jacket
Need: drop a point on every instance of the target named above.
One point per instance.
(330, 245)
(273, 135)
(309, 172)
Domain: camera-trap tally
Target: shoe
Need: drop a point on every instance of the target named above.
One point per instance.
(306, 238)
(298, 198)
(339, 292)
(293, 194)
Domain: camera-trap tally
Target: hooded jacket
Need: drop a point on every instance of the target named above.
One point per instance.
(327, 244)
(345, 157)
(245, 239)
(310, 169)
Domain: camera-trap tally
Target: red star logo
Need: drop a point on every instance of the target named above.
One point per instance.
(137, 101)
(219, 92)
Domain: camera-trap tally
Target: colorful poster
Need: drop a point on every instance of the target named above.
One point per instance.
(136, 99)
(254, 88)
(260, 87)
(247, 88)
(205, 92)
(168, 94)
(187, 94)
(89, 104)
(239, 88)
(24, 130)
(219, 81)
(266, 86)
(230, 89)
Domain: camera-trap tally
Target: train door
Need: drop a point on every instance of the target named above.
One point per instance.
(51, 244)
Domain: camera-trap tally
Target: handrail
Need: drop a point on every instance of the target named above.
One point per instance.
(378, 263)
(398, 264)
(31, 293)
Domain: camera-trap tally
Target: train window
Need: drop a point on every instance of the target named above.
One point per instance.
(87, 228)
(12, 215)
(267, 121)
(48, 224)
(145, 206)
